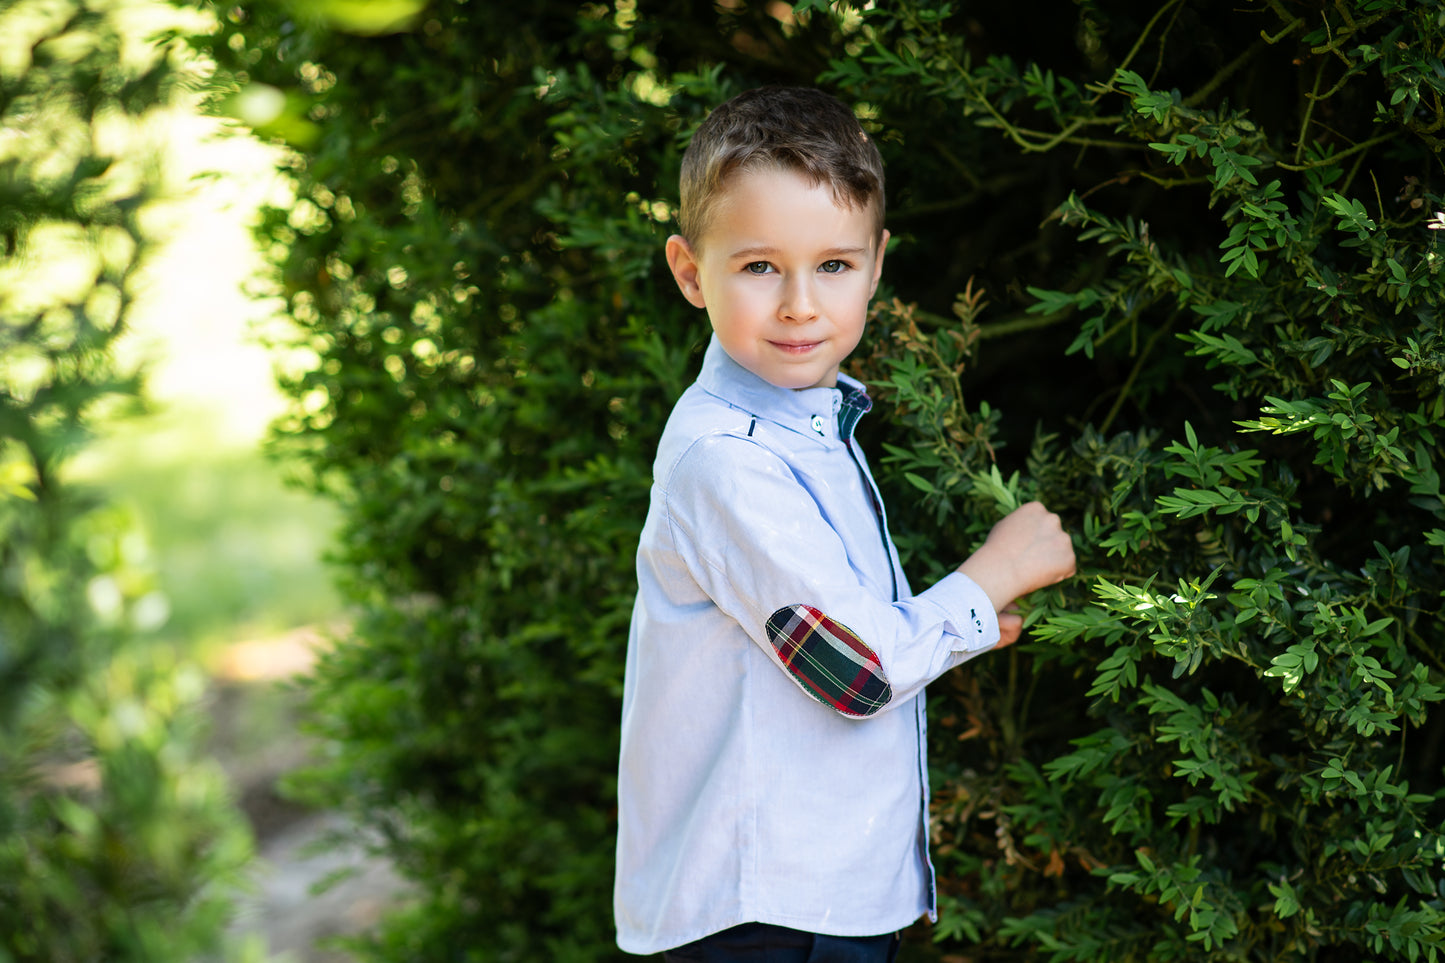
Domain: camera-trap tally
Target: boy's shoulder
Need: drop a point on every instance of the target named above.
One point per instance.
(729, 416)
(701, 421)
(708, 435)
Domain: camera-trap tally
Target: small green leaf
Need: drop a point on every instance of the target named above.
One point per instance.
(920, 483)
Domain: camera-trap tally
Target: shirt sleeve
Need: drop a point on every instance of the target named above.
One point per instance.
(759, 545)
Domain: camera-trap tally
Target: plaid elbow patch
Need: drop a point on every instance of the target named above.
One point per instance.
(833, 664)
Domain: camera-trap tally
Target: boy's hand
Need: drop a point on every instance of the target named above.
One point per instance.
(1028, 549)
(1010, 626)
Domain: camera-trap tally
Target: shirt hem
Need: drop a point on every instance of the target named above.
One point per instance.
(647, 947)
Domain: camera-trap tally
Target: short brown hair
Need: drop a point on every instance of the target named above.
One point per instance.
(800, 129)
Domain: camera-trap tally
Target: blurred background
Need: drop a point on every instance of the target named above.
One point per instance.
(317, 551)
(207, 565)
(238, 554)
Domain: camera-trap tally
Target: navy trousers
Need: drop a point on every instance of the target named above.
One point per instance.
(763, 943)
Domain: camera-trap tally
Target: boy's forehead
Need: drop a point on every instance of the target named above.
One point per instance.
(756, 198)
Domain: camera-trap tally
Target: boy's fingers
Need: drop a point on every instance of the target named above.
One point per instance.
(1010, 627)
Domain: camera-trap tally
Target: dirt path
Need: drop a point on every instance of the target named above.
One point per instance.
(285, 912)
(254, 718)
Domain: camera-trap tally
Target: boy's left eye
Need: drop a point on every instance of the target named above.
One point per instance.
(833, 267)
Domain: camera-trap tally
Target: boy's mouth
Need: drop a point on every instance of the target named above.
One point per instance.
(795, 347)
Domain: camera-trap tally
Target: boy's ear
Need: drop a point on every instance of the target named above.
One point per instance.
(682, 261)
(878, 262)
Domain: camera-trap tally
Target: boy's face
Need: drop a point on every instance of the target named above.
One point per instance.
(785, 274)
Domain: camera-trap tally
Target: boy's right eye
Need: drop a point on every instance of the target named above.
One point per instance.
(758, 267)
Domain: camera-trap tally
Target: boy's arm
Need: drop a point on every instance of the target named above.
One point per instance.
(755, 543)
(1028, 549)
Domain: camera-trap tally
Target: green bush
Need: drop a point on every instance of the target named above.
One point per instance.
(115, 842)
(1212, 751)
(1169, 267)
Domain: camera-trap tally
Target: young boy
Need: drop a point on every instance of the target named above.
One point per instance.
(772, 785)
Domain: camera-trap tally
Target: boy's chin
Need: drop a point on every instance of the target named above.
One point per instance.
(803, 383)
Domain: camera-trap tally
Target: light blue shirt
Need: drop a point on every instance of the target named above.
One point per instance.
(772, 766)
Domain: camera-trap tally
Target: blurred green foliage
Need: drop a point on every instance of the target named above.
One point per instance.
(231, 549)
(116, 843)
(1188, 256)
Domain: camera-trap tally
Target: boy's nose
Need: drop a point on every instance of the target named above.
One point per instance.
(799, 304)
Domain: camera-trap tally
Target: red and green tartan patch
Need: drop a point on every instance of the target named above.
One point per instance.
(835, 666)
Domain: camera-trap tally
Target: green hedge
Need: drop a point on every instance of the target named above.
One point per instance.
(1169, 266)
(116, 841)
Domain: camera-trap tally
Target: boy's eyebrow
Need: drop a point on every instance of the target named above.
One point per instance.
(764, 251)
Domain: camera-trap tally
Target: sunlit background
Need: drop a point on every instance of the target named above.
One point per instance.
(212, 562)
(237, 553)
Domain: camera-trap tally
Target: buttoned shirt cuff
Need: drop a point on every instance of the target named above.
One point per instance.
(975, 622)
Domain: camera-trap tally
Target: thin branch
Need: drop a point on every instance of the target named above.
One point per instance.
(1163, 45)
(1362, 145)
(981, 189)
(1309, 112)
(1022, 322)
(1169, 183)
(1017, 134)
(1144, 35)
(1289, 28)
(1350, 177)
(1134, 372)
(1332, 46)
(1425, 648)
(1344, 79)
(943, 151)
(1223, 74)
(1439, 120)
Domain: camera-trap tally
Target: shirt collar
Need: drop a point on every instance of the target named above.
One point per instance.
(829, 414)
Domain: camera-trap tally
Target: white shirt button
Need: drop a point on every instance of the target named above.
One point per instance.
(818, 424)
